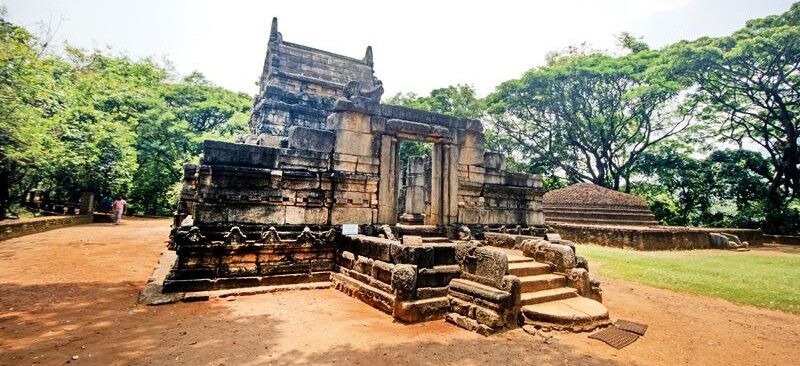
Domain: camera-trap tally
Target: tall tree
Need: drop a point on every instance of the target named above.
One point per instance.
(748, 85)
(591, 116)
(27, 147)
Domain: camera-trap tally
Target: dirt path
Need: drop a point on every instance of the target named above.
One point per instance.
(72, 292)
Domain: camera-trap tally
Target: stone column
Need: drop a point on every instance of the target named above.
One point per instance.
(451, 182)
(387, 187)
(437, 160)
(87, 203)
(415, 191)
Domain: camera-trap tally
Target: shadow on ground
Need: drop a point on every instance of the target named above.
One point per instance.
(101, 324)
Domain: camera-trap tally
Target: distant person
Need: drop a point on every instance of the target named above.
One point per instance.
(119, 205)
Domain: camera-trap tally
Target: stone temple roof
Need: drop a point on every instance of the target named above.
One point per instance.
(587, 194)
(588, 204)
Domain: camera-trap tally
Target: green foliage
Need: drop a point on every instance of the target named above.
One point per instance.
(591, 116)
(747, 87)
(753, 278)
(457, 101)
(95, 122)
(727, 188)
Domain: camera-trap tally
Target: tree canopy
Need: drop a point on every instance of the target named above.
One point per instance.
(92, 121)
(591, 116)
(747, 87)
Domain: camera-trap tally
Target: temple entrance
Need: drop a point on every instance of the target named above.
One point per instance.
(414, 191)
(441, 205)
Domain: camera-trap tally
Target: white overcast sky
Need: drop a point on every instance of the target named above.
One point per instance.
(418, 45)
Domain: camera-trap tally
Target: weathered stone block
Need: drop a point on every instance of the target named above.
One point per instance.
(363, 265)
(488, 317)
(470, 156)
(351, 121)
(225, 153)
(311, 139)
(382, 271)
(347, 260)
(459, 306)
(353, 143)
(493, 160)
(351, 215)
(404, 279)
(412, 240)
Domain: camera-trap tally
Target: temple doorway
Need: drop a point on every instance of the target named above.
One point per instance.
(414, 193)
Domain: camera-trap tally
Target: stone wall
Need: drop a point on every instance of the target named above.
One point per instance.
(251, 258)
(649, 238)
(16, 228)
(405, 280)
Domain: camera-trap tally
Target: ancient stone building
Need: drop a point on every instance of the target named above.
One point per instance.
(299, 85)
(313, 196)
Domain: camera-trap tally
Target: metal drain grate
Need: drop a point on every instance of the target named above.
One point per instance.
(615, 337)
(630, 326)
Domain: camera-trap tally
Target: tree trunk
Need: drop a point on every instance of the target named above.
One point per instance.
(4, 193)
(774, 207)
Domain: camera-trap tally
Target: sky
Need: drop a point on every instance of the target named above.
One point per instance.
(418, 45)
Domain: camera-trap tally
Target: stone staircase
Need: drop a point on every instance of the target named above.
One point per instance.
(600, 215)
(547, 301)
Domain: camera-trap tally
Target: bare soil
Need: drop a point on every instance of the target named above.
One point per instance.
(72, 292)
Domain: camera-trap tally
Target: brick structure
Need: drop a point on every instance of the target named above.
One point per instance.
(325, 153)
(586, 203)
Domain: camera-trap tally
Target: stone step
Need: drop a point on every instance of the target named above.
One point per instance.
(419, 230)
(599, 209)
(542, 282)
(514, 258)
(573, 220)
(578, 314)
(593, 216)
(522, 269)
(591, 213)
(435, 239)
(538, 297)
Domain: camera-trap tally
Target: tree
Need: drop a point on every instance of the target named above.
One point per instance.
(591, 116)
(92, 121)
(727, 188)
(172, 134)
(26, 146)
(456, 101)
(748, 86)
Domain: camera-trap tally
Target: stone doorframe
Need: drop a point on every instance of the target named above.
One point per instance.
(444, 170)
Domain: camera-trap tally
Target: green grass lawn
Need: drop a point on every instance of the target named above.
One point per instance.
(768, 281)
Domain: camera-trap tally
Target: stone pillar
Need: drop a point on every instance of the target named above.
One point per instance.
(387, 187)
(437, 160)
(415, 191)
(451, 182)
(87, 203)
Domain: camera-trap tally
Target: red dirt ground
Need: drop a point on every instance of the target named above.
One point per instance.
(72, 292)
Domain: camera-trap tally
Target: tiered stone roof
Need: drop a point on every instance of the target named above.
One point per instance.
(586, 203)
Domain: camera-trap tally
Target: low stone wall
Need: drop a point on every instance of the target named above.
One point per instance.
(409, 282)
(17, 228)
(650, 238)
(782, 239)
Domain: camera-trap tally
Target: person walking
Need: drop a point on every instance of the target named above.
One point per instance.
(118, 206)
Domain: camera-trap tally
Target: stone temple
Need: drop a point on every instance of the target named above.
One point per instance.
(314, 195)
